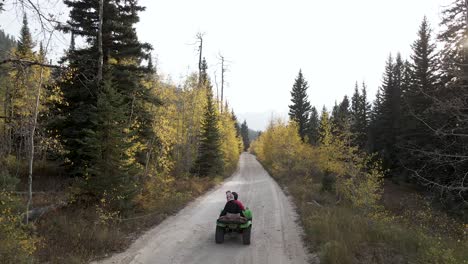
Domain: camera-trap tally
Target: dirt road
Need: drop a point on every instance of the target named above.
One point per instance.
(188, 237)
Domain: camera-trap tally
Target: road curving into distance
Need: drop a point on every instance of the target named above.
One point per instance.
(188, 236)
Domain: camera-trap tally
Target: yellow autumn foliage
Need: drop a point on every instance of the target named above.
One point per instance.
(231, 144)
(348, 223)
(357, 179)
(281, 150)
(16, 243)
(177, 127)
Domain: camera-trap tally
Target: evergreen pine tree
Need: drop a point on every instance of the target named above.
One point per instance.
(360, 111)
(440, 163)
(424, 65)
(325, 129)
(113, 172)
(7, 43)
(25, 43)
(453, 39)
(375, 121)
(82, 114)
(334, 113)
(419, 85)
(300, 107)
(365, 116)
(236, 124)
(204, 74)
(245, 135)
(313, 126)
(355, 108)
(209, 161)
(341, 116)
(78, 121)
(387, 113)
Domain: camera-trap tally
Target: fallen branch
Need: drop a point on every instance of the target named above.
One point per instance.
(30, 63)
(37, 213)
(22, 193)
(315, 202)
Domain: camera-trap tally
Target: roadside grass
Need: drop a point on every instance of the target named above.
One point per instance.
(348, 212)
(341, 234)
(79, 235)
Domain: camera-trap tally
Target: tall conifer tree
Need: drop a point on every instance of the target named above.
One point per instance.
(245, 135)
(313, 126)
(300, 108)
(236, 124)
(325, 129)
(385, 126)
(84, 112)
(341, 116)
(360, 111)
(441, 162)
(209, 161)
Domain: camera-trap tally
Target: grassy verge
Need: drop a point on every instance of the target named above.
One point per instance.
(342, 234)
(79, 235)
(348, 212)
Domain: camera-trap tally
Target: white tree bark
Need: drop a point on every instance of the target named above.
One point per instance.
(31, 141)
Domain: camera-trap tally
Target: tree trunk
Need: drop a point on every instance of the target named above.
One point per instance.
(148, 155)
(200, 49)
(7, 127)
(222, 83)
(31, 142)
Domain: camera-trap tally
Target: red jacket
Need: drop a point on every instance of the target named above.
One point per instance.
(240, 204)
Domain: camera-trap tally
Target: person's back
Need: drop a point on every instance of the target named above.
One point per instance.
(231, 206)
(236, 196)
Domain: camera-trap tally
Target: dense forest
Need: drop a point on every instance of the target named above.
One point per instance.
(98, 147)
(100, 136)
(384, 182)
(417, 122)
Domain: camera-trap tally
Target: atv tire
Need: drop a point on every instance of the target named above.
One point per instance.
(219, 236)
(246, 235)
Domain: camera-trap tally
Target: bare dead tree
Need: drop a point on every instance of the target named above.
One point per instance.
(222, 81)
(217, 88)
(224, 69)
(199, 38)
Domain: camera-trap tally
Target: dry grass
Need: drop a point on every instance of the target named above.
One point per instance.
(75, 236)
(78, 235)
(341, 234)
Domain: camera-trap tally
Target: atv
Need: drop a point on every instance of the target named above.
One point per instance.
(234, 224)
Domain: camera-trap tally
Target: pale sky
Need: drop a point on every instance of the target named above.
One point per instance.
(266, 42)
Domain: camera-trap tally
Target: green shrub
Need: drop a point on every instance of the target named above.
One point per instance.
(328, 182)
(16, 242)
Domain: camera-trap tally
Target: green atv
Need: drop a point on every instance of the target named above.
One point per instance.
(234, 225)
